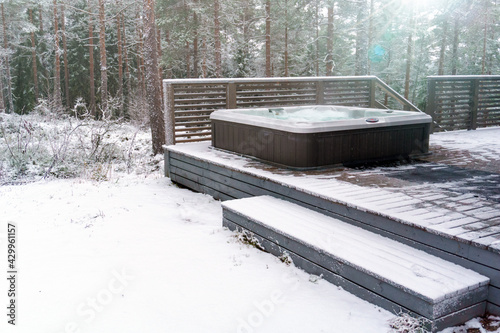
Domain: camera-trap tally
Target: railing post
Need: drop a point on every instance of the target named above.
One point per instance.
(372, 88)
(474, 104)
(320, 92)
(430, 108)
(168, 92)
(231, 95)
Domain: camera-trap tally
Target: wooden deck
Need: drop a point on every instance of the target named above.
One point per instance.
(435, 205)
(385, 272)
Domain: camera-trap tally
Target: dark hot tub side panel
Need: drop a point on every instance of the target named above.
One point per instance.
(308, 150)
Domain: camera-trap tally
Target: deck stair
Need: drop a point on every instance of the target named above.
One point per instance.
(380, 270)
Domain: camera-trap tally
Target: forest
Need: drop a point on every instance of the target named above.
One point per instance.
(91, 56)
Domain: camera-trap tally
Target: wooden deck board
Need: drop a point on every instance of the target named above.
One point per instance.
(351, 253)
(425, 224)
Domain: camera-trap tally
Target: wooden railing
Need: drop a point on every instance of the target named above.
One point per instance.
(463, 102)
(189, 102)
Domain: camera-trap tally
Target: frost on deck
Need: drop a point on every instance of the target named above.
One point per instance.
(455, 190)
(423, 283)
(445, 204)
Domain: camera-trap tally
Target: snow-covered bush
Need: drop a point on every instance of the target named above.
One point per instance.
(404, 323)
(249, 238)
(40, 145)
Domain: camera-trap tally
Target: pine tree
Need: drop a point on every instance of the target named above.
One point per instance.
(329, 39)
(92, 101)
(103, 59)
(268, 38)
(409, 54)
(119, 18)
(218, 48)
(6, 61)
(153, 85)
(65, 58)
(34, 58)
(57, 66)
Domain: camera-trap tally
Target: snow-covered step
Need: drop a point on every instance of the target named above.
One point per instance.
(387, 273)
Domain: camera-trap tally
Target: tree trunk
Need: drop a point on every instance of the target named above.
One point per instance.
(7, 64)
(160, 69)
(286, 39)
(102, 47)
(316, 28)
(419, 65)
(443, 47)
(329, 40)
(57, 66)
(204, 64)
(65, 57)
(195, 45)
(160, 54)
(120, 61)
(2, 102)
(268, 38)
(92, 105)
(370, 36)
(485, 37)
(490, 56)
(454, 57)
(360, 67)
(168, 70)
(409, 54)
(45, 85)
(187, 48)
(140, 61)
(40, 18)
(34, 59)
(126, 69)
(218, 51)
(153, 86)
(188, 59)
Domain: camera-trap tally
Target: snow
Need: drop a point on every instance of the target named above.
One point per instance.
(181, 271)
(399, 200)
(131, 252)
(480, 142)
(431, 278)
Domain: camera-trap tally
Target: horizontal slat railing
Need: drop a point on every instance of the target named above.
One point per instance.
(463, 102)
(189, 102)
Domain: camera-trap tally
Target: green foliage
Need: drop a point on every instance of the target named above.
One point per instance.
(467, 30)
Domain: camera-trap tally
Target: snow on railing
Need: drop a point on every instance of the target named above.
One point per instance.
(189, 102)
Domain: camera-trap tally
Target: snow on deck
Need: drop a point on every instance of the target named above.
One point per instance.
(454, 192)
(422, 274)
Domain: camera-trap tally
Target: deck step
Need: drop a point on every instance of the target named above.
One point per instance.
(385, 272)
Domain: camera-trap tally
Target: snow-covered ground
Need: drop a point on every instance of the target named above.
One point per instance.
(132, 252)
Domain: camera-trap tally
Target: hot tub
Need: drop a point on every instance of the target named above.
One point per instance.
(318, 136)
